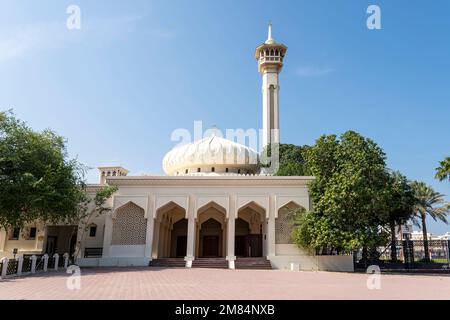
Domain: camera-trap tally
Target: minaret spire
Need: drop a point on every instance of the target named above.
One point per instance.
(269, 35)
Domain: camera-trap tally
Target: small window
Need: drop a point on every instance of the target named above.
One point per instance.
(213, 169)
(15, 234)
(187, 171)
(226, 170)
(92, 231)
(199, 170)
(32, 234)
(239, 171)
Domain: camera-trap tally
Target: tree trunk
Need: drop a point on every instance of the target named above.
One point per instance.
(393, 242)
(425, 239)
(365, 255)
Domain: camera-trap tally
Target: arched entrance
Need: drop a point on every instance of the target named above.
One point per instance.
(179, 239)
(210, 239)
(249, 231)
(211, 231)
(170, 236)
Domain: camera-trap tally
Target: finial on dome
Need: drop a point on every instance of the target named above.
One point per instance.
(269, 35)
(215, 132)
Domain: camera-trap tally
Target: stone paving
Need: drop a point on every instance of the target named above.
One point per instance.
(212, 284)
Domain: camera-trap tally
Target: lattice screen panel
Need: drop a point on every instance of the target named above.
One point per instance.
(130, 226)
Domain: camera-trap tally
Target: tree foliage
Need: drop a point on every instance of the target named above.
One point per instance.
(38, 181)
(350, 195)
(291, 161)
(401, 202)
(401, 199)
(443, 171)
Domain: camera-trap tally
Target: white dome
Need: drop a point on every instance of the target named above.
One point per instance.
(212, 155)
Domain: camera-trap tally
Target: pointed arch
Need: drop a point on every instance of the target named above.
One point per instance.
(161, 201)
(121, 206)
(255, 206)
(283, 222)
(301, 202)
(211, 204)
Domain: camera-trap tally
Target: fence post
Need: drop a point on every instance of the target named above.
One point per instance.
(45, 262)
(33, 264)
(20, 266)
(66, 260)
(5, 262)
(56, 256)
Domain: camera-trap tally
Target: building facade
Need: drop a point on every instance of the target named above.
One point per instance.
(213, 203)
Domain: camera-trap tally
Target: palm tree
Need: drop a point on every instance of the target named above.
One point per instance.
(443, 172)
(432, 203)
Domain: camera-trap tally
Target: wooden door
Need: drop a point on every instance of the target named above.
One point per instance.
(239, 246)
(181, 246)
(210, 246)
(254, 245)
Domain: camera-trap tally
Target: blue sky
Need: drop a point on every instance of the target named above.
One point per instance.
(137, 70)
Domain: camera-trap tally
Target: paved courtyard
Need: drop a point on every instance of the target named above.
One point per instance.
(198, 284)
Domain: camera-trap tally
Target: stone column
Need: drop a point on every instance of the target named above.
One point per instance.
(20, 266)
(169, 231)
(190, 252)
(161, 239)
(107, 239)
(231, 232)
(3, 235)
(149, 236)
(156, 227)
(5, 262)
(164, 240)
(271, 229)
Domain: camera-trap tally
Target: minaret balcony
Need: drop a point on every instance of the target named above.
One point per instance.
(270, 59)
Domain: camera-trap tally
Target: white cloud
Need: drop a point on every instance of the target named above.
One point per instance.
(313, 71)
(28, 39)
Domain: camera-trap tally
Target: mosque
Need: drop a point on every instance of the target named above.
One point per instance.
(215, 207)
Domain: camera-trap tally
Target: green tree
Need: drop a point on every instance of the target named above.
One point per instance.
(443, 171)
(428, 202)
(93, 206)
(401, 203)
(38, 181)
(291, 161)
(349, 195)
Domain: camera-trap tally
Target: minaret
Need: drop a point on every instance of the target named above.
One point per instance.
(270, 61)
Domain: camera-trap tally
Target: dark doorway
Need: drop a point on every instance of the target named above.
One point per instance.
(239, 246)
(210, 246)
(178, 239)
(51, 245)
(181, 246)
(253, 245)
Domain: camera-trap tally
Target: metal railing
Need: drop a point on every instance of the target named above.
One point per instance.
(31, 264)
(409, 254)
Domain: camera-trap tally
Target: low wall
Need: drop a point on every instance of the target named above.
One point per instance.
(113, 262)
(127, 251)
(313, 263)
